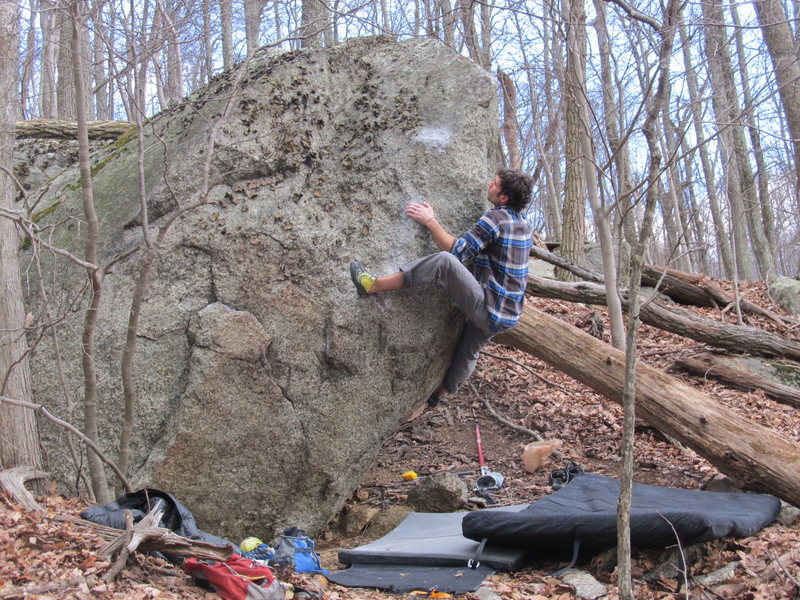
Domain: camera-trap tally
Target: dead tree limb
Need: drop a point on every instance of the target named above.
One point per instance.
(714, 367)
(681, 287)
(566, 264)
(746, 451)
(753, 340)
(687, 288)
(148, 536)
(68, 130)
(534, 434)
(13, 481)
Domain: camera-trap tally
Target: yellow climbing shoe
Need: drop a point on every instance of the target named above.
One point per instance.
(361, 279)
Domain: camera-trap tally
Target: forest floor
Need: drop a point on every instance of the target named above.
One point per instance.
(44, 556)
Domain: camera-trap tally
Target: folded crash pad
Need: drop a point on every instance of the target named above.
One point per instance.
(426, 551)
(585, 511)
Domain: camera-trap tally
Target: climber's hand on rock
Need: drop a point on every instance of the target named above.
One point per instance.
(422, 213)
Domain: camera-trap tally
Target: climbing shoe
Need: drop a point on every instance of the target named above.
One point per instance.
(361, 279)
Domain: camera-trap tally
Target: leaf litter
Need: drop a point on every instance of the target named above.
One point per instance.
(44, 556)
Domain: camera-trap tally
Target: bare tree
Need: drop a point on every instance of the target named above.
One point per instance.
(19, 443)
(723, 245)
(252, 23)
(510, 121)
(667, 32)
(783, 51)
(48, 17)
(95, 273)
(315, 23)
(226, 21)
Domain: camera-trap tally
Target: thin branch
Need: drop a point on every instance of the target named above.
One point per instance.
(505, 421)
(527, 368)
(71, 428)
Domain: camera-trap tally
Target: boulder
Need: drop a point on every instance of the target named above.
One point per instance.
(786, 292)
(265, 386)
(439, 493)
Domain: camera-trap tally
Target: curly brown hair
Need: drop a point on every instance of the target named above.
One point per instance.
(517, 186)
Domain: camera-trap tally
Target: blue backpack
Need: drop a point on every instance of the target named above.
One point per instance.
(296, 549)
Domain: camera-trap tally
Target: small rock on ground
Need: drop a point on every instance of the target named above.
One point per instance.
(586, 586)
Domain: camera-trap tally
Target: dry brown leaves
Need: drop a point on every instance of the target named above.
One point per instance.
(43, 557)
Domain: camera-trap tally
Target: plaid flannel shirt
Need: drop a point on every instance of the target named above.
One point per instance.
(499, 246)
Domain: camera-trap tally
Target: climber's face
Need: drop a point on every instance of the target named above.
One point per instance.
(494, 194)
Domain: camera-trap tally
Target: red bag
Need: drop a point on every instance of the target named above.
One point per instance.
(237, 578)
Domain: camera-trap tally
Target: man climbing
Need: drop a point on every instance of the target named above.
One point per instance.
(493, 293)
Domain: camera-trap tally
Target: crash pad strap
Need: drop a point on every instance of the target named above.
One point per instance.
(576, 546)
(475, 561)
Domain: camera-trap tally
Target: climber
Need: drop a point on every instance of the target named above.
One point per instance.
(492, 293)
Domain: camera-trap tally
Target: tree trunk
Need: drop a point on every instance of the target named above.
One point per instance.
(226, 24)
(315, 23)
(19, 443)
(720, 230)
(47, 72)
(27, 99)
(783, 53)
(65, 91)
(762, 172)
(574, 212)
(466, 9)
(746, 451)
(713, 366)
(99, 481)
(68, 130)
(727, 114)
(510, 123)
(612, 115)
(252, 23)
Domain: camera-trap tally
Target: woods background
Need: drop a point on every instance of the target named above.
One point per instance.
(727, 195)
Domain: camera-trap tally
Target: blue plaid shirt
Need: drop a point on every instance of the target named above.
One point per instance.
(499, 246)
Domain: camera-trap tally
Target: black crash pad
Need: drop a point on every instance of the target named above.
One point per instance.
(585, 510)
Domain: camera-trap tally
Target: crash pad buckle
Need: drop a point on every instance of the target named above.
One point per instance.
(474, 563)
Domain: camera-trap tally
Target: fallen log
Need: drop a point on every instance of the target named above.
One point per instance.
(68, 130)
(684, 288)
(756, 456)
(712, 366)
(740, 338)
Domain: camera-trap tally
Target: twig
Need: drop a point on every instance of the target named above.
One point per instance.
(31, 591)
(122, 559)
(777, 560)
(506, 422)
(685, 569)
(526, 367)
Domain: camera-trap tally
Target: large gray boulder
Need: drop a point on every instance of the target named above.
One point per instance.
(265, 385)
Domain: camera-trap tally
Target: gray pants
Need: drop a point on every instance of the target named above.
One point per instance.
(446, 271)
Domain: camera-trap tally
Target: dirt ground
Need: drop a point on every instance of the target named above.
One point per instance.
(43, 557)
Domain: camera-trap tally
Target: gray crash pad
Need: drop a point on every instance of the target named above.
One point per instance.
(427, 552)
(434, 539)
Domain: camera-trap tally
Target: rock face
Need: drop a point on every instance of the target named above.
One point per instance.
(786, 292)
(265, 385)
